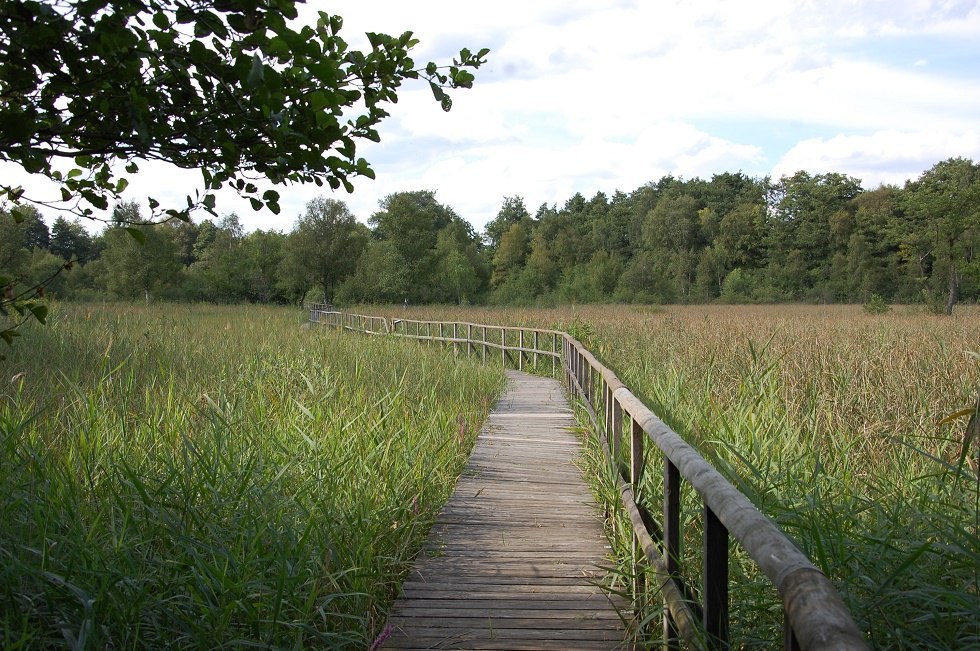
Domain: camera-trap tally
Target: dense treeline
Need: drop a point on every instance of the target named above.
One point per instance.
(732, 238)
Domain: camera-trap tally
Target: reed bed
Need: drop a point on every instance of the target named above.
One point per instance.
(205, 477)
(831, 421)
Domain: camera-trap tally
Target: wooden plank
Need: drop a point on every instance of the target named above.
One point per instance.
(490, 631)
(510, 619)
(427, 644)
(533, 605)
(516, 558)
(493, 591)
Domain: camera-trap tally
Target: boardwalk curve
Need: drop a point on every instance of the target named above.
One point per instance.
(514, 560)
(815, 617)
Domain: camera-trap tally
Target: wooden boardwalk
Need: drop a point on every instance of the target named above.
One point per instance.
(514, 558)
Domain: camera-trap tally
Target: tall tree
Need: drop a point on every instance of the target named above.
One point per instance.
(410, 222)
(511, 212)
(325, 245)
(70, 240)
(262, 253)
(461, 273)
(945, 204)
(515, 245)
(145, 269)
(220, 272)
(802, 207)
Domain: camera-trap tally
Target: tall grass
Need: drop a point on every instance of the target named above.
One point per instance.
(203, 477)
(829, 420)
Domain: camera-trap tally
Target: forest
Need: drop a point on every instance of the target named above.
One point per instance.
(732, 238)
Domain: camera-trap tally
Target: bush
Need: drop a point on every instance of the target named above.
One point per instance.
(737, 287)
(877, 305)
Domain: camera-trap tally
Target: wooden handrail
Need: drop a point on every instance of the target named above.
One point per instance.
(816, 618)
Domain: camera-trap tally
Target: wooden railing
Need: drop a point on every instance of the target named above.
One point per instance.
(815, 617)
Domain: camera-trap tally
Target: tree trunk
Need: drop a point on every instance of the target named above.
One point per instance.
(954, 288)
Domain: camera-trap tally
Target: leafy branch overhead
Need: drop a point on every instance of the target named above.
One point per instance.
(232, 89)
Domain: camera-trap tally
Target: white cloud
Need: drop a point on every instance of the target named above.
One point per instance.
(590, 95)
(882, 157)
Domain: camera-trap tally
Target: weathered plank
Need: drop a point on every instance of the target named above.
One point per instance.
(516, 558)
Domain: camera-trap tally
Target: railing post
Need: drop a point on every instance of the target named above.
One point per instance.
(455, 337)
(672, 540)
(617, 434)
(535, 350)
(520, 349)
(565, 363)
(715, 580)
(469, 340)
(637, 439)
(484, 344)
(590, 382)
(573, 357)
(607, 420)
(503, 347)
(554, 349)
(570, 368)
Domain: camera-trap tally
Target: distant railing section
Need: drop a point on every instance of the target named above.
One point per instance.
(815, 617)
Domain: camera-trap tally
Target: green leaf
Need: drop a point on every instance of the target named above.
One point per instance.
(154, 204)
(160, 20)
(318, 100)
(40, 312)
(237, 22)
(256, 204)
(257, 74)
(96, 199)
(437, 92)
(137, 234)
(270, 195)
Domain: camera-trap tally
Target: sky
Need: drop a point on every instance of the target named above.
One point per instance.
(605, 95)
